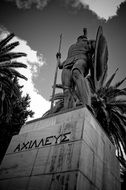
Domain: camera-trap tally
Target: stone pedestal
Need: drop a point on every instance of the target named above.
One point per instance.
(68, 151)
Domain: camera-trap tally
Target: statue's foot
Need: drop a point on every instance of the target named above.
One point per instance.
(79, 103)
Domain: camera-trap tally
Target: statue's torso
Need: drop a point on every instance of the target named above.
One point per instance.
(77, 51)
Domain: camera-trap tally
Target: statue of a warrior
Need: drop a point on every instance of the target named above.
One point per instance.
(75, 70)
(84, 69)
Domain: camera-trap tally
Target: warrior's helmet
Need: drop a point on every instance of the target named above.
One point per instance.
(84, 36)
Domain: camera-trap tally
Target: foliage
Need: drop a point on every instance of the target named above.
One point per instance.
(109, 105)
(13, 106)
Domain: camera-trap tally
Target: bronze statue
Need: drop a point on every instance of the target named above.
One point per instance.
(75, 70)
(84, 69)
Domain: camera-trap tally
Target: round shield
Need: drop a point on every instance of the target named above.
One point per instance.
(101, 58)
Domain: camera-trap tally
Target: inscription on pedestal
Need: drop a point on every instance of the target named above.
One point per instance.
(50, 140)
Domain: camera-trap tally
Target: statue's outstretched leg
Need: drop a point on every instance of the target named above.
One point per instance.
(83, 89)
(66, 81)
(67, 97)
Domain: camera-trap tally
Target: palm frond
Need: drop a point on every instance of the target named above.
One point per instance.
(16, 73)
(119, 139)
(111, 78)
(121, 121)
(6, 40)
(7, 84)
(8, 48)
(12, 55)
(5, 72)
(120, 106)
(114, 93)
(118, 102)
(13, 64)
(119, 83)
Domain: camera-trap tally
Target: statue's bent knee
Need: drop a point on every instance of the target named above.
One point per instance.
(66, 90)
(76, 74)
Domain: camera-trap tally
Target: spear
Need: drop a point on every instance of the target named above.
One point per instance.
(55, 78)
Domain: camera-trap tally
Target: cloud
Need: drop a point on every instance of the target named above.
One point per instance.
(104, 9)
(26, 4)
(34, 61)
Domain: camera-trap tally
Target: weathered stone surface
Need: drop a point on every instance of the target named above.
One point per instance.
(18, 164)
(97, 174)
(66, 180)
(40, 182)
(86, 160)
(54, 120)
(92, 135)
(68, 151)
(14, 183)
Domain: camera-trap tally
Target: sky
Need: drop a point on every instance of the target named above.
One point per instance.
(37, 25)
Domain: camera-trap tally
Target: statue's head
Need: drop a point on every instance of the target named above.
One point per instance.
(84, 36)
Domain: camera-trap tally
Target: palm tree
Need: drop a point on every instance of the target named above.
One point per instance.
(8, 73)
(13, 106)
(109, 105)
